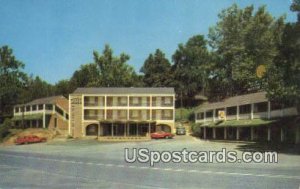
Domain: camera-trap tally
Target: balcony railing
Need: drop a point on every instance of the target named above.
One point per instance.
(93, 117)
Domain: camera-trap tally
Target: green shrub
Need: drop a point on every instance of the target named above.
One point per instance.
(196, 129)
(187, 114)
(4, 128)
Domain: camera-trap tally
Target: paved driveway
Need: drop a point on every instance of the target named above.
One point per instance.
(90, 164)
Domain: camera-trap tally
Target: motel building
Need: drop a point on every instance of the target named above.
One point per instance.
(49, 112)
(249, 117)
(121, 113)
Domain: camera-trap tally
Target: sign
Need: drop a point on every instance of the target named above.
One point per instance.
(221, 114)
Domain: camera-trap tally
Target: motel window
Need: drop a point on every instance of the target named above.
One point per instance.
(22, 109)
(231, 110)
(27, 108)
(16, 109)
(200, 115)
(167, 101)
(59, 111)
(245, 109)
(209, 114)
(40, 107)
(122, 101)
(49, 107)
(260, 107)
(34, 107)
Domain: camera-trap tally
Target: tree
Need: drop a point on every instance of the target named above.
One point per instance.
(113, 70)
(295, 7)
(190, 67)
(243, 40)
(12, 79)
(63, 87)
(284, 77)
(87, 76)
(35, 88)
(157, 70)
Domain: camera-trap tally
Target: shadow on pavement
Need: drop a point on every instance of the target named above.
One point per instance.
(277, 147)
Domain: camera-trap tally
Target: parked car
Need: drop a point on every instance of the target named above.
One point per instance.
(30, 139)
(180, 131)
(161, 134)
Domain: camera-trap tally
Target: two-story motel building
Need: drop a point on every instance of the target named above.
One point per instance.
(130, 113)
(49, 112)
(248, 117)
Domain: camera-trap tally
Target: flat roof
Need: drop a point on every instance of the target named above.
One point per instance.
(235, 101)
(125, 90)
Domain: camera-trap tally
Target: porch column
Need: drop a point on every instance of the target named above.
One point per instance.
(269, 109)
(204, 132)
(252, 133)
(214, 133)
(237, 112)
(125, 129)
(149, 128)
(99, 126)
(44, 116)
(269, 133)
(281, 135)
(237, 133)
(214, 115)
(225, 133)
(252, 110)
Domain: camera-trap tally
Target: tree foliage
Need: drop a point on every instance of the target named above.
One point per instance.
(190, 65)
(242, 40)
(12, 79)
(157, 70)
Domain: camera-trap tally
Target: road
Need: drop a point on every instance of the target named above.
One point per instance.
(91, 164)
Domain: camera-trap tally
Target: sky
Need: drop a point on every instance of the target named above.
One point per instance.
(54, 37)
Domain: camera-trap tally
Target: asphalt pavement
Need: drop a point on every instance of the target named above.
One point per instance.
(92, 164)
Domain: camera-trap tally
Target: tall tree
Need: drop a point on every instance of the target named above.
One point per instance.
(87, 76)
(284, 77)
(157, 70)
(114, 70)
(190, 65)
(12, 79)
(243, 40)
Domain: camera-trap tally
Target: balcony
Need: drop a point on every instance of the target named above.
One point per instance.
(162, 115)
(139, 115)
(162, 101)
(93, 114)
(116, 114)
(119, 101)
(139, 101)
(94, 101)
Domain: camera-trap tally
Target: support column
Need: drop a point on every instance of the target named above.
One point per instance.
(269, 110)
(214, 115)
(225, 133)
(252, 133)
(214, 133)
(44, 116)
(204, 113)
(225, 112)
(237, 112)
(204, 132)
(125, 129)
(281, 134)
(252, 110)
(149, 129)
(269, 133)
(237, 133)
(99, 126)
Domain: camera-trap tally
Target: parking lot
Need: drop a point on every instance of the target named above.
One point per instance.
(93, 164)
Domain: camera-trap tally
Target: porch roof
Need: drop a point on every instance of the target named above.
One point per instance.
(126, 121)
(238, 123)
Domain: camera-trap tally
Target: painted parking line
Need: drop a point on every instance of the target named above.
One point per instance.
(162, 169)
